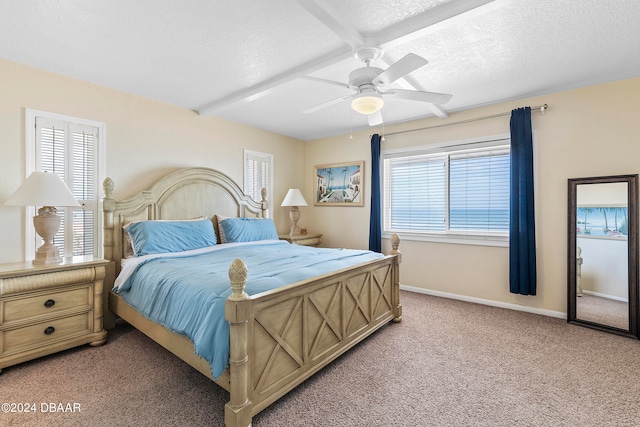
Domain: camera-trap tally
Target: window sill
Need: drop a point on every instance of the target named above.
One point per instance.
(499, 241)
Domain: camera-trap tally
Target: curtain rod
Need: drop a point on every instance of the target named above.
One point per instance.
(539, 107)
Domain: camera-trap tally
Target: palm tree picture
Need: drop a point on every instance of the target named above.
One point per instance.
(602, 221)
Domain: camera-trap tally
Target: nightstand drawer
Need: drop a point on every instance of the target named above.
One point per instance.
(41, 334)
(15, 309)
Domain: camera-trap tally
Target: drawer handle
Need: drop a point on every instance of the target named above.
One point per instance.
(49, 330)
(49, 303)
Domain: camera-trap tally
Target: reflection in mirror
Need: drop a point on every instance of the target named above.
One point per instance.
(601, 239)
(602, 253)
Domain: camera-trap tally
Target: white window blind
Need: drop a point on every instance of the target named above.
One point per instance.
(416, 189)
(479, 190)
(258, 174)
(460, 190)
(71, 150)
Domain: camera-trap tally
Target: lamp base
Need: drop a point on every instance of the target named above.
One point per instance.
(295, 231)
(47, 224)
(47, 255)
(294, 216)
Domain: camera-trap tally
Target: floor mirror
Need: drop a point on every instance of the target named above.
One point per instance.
(602, 253)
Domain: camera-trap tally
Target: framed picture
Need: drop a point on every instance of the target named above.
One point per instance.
(602, 221)
(339, 184)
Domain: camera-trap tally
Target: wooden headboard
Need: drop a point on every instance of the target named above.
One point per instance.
(183, 194)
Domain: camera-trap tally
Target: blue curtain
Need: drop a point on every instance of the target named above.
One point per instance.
(375, 220)
(522, 240)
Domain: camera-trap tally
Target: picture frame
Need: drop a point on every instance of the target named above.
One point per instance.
(604, 222)
(339, 184)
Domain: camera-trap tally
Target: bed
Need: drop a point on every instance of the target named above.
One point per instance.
(277, 338)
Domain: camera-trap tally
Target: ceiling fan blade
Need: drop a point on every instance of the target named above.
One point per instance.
(326, 104)
(375, 119)
(331, 82)
(420, 95)
(401, 68)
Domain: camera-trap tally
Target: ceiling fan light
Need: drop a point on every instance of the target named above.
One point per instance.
(367, 103)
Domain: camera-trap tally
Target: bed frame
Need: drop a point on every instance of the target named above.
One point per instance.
(278, 338)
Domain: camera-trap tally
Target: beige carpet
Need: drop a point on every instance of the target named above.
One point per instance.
(601, 310)
(454, 364)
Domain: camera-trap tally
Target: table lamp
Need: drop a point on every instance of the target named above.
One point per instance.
(294, 199)
(47, 190)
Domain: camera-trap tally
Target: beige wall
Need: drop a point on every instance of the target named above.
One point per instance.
(145, 140)
(592, 131)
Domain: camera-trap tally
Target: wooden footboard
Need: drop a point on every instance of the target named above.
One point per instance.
(282, 337)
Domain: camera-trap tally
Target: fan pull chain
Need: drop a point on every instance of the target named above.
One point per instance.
(350, 125)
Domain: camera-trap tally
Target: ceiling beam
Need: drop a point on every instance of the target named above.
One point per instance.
(262, 89)
(433, 20)
(331, 19)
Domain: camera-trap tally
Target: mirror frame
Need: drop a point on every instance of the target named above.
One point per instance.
(632, 204)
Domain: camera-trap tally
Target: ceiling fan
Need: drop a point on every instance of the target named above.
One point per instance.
(368, 81)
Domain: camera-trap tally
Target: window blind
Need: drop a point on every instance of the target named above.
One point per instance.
(479, 190)
(84, 188)
(257, 174)
(70, 150)
(417, 193)
(458, 190)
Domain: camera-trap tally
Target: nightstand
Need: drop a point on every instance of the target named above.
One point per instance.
(49, 308)
(308, 239)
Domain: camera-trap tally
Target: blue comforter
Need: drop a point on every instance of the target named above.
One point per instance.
(186, 292)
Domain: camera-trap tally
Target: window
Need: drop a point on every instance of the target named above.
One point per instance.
(72, 148)
(458, 192)
(258, 174)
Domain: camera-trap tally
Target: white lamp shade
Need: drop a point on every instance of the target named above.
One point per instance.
(42, 189)
(294, 198)
(367, 103)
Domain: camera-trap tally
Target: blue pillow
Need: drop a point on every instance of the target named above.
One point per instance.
(247, 229)
(157, 237)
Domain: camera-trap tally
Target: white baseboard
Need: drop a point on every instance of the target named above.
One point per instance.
(517, 307)
(598, 294)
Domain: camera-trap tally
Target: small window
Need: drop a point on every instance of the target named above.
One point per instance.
(452, 193)
(71, 148)
(258, 174)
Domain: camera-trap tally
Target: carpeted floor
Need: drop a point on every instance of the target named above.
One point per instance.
(601, 310)
(449, 363)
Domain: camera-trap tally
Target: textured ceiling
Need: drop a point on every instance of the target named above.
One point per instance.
(243, 60)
